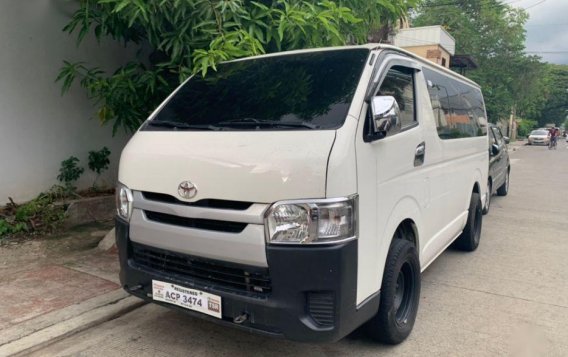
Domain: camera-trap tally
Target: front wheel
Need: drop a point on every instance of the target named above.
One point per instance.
(400, 294)
(469, 239)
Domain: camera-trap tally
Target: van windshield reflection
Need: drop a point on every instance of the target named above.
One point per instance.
(306, 91)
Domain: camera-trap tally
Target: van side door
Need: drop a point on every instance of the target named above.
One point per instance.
(389, 180)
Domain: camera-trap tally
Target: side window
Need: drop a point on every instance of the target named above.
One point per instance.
(498, 135)
(458, 108)
(471, 110)
(492, 138)
(399, 83)
(441, 92)
(475, 100)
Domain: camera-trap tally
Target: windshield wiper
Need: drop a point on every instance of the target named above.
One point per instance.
(178, 125)
(267, 123)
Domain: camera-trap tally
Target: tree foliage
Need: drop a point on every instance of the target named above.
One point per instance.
(184, 37)
(555, 109)
(525, 127)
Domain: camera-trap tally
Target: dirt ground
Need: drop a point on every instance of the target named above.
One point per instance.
(61, 247)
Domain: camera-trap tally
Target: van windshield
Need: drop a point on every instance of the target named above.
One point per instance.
(303, 91)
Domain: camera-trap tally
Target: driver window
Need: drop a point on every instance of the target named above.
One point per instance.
(399, 83)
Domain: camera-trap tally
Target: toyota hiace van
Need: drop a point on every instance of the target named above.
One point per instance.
(301, 194)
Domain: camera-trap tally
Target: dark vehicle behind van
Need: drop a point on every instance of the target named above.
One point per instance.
(499, 165)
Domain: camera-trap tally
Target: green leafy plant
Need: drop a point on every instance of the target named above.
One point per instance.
(69, 172)
(193, 36)
(99, 162)
(40, 215)
(7, 228)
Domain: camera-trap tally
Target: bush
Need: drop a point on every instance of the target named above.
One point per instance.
(98, 162)
(69, 172)
(525, 126)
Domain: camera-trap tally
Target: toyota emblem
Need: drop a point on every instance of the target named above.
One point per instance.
(187, 190)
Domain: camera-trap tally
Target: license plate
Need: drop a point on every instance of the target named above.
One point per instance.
(187, 298)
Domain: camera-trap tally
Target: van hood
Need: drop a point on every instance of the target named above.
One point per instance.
(251, 166)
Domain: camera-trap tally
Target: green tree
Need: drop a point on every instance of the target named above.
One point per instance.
(190, 36)
(493, 33)
(525, 127)
(555, 108)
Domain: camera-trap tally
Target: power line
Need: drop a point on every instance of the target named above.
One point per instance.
(538, 3)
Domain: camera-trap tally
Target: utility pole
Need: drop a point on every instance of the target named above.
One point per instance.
(511, 121)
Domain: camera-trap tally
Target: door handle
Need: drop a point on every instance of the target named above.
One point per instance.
(419, 154)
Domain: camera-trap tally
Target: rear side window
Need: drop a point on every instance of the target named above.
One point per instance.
(458, 108)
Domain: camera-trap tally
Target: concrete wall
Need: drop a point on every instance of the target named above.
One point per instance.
(38, 127)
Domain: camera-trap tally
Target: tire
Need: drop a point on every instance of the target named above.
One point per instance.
(469, 239)
(400, 294)
(488, 197)
(503, 190)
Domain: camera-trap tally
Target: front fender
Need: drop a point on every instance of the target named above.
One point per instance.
(407, 208)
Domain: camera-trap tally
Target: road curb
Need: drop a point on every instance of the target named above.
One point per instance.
(39, 332)
(108, 242)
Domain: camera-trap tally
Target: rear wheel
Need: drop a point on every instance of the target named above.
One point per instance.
(469, 239)
(400, 294)
(488, 197)
(504, 189)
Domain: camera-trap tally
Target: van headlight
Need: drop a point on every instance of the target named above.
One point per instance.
(123, 202)
(312, 222)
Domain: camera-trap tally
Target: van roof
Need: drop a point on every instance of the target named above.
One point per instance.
(370, 47)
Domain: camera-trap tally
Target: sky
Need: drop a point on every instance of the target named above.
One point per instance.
(547, 28)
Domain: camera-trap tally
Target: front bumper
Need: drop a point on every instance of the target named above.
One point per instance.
(312, 297)
(539, 141)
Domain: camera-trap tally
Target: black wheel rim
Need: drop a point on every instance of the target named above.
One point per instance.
(404, 294)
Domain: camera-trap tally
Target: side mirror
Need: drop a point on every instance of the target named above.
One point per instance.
(495, 149)
(385, 116)
(507, 140)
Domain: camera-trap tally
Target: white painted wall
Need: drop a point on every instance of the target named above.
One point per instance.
(38, 127)
(427, 35)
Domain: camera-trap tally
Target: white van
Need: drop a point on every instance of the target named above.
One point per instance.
(301, 194)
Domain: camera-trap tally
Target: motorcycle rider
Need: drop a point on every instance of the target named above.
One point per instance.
(553, 134)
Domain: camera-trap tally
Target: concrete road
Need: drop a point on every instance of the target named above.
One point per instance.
(510, 297)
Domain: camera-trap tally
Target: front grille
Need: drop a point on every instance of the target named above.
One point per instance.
(198, 223)
(321, 307)
(205, 203)
(233, 277)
